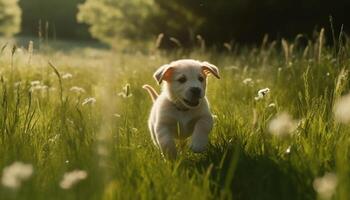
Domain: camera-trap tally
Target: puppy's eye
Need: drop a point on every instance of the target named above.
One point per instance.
(182, 79)
(201, 79)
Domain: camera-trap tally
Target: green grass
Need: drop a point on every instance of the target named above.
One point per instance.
(54, 132)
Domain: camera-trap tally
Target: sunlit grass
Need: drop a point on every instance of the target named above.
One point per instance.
(79, 118)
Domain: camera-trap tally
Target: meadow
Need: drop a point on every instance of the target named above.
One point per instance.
(66, 107)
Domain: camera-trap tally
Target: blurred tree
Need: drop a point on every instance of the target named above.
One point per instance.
(10, 17)
(112, 21)
(59, 15)
(216, 21)
(116, 21)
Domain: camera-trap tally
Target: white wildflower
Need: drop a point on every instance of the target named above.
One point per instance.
(247, 81)
(89, 100)
(72, 178)
(39, 87)
(262, 93)
(342, 109)
(34, 83)
(77, 90)
(325, 186)
(67, 76)
(116, 115)
(14, 174)
(272, 105)
(282, 125)
(288, 150)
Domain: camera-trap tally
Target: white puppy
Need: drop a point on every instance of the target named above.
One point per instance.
(181, 110)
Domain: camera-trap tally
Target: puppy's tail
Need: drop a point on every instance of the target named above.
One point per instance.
(151, 92)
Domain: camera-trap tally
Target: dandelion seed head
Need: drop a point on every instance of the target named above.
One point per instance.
(342, 109)
(14, 174)
(72, 178)
(325, 186)
(282, 125)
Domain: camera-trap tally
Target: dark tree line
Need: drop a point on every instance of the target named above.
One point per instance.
(216, 21)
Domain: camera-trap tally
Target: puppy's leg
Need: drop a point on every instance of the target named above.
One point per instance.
(200, 134)
(166, 141)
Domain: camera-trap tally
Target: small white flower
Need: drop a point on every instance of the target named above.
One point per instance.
(328, 74)
(262, 93)
(325, 186)
(77, 90)
(116, 115)
(342, 109)
(34, 83)
(288, 150)
(247, 81)
(67, 76)
(282, 125)
(14, 174)
(39, 87)
(272, 105)
(89, 100)
(72, 178)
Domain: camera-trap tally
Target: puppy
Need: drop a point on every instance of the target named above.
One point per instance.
(181, 109)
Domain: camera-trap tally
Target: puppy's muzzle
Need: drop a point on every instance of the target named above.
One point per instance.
(193, 96)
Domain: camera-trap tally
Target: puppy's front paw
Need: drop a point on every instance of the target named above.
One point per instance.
(199, 146)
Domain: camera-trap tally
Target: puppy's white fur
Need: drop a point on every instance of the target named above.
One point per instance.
(179, 112)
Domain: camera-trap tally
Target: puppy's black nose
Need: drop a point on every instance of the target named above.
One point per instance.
(196, 92)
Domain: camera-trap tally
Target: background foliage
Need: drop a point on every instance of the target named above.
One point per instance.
(58, 15)
(243, 21)
(10, 17)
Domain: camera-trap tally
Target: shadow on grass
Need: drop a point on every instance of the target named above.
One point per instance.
(234, 174)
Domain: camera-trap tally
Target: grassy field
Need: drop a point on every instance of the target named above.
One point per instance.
(80, 108)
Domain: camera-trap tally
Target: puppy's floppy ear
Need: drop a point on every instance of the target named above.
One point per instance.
(163, 73)
(210, 69)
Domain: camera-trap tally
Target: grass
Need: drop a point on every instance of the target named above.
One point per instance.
(51, 129)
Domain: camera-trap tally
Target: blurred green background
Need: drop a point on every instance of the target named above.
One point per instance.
(113, 21)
